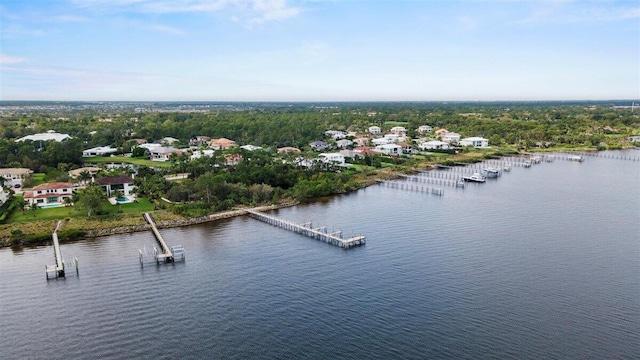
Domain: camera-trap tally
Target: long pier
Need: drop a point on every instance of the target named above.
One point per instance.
(333, 238)
(167, 254)
(57, 270)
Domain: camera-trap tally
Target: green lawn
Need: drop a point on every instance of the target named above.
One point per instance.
(143, 205)
(38, 178)
(128, 160)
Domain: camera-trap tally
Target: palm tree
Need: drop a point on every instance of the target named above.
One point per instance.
(33, 207)
(84, 176)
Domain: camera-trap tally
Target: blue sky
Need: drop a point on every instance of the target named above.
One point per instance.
(319, 50)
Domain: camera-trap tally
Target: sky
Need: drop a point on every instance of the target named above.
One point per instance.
(319, 50)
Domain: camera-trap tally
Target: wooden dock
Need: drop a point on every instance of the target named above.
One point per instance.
(333, 238)
(166, 253)
(57, 270)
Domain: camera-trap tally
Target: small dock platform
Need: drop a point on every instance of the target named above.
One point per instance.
(57, 270)
(333, 238)
(166, 253)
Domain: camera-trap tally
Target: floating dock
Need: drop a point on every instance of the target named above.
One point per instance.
(333, 238)
(166, 253)
(57, 270)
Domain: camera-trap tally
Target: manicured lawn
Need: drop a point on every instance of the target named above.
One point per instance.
(143, 205)
(38, 178)
(128, 160)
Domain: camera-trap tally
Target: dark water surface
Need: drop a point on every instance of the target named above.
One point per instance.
(540, 263)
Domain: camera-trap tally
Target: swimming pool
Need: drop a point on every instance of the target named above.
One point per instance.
(49, 206)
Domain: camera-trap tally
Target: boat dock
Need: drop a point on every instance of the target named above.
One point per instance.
(57, 270)
(166, 253)
(404, 185)
(320, 233)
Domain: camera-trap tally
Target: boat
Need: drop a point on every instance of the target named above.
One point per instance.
(491, 172)
(536, 159)
(507, 168)
(575, 158)
(550, 158)
(526, 164)
(476, 177)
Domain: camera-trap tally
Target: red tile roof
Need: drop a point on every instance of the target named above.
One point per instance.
(52, 186)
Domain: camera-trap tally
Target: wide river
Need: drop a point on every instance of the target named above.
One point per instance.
(542, 262)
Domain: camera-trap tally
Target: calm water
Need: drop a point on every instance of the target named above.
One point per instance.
(540, 263)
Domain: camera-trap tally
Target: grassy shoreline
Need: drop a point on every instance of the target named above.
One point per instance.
(24, 229)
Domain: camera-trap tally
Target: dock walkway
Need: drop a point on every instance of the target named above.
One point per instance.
(57, 270)
(167, 254)
(333, 238)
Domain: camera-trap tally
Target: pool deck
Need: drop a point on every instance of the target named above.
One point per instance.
(113, 201)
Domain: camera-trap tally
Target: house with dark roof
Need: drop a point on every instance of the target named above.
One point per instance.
(113, 183)
(49, 194)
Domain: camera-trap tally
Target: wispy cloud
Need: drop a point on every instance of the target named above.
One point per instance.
(5, 59)
(68, 18)
(166, 29)
(251, 11)
(560, 13)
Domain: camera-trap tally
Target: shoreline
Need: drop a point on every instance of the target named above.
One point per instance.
(369, 180)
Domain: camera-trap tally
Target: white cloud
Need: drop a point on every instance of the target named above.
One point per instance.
(5, 59)
(560, 13)
(252, 11)
(166, 29)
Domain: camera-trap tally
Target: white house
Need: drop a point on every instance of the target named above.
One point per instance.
(375, 130)
(424, 129)
(477, 142)
(48, 136)
(98, 151)
(344, 143)
(51, 194)
(634, 138)
(335, 134)
(149, 146)
(390, 149)
(334, 158)
(14, 176)
(381, 141)
(250, 147)
(450, 137)
(200, 153)
(169, 140)
(433, 144)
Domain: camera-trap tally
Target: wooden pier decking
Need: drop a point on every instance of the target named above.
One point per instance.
(333, 238)
(167, 254)
(57, 270)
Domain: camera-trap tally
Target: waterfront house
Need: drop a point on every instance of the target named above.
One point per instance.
(433, 145)
(13, 177)
(476, 142)
(375, 130)
(99, 151)
(407, 148)
(113, 183)
(365, 150)
(634, 138)
(333, 158)
(49, 194)
(390, 149)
